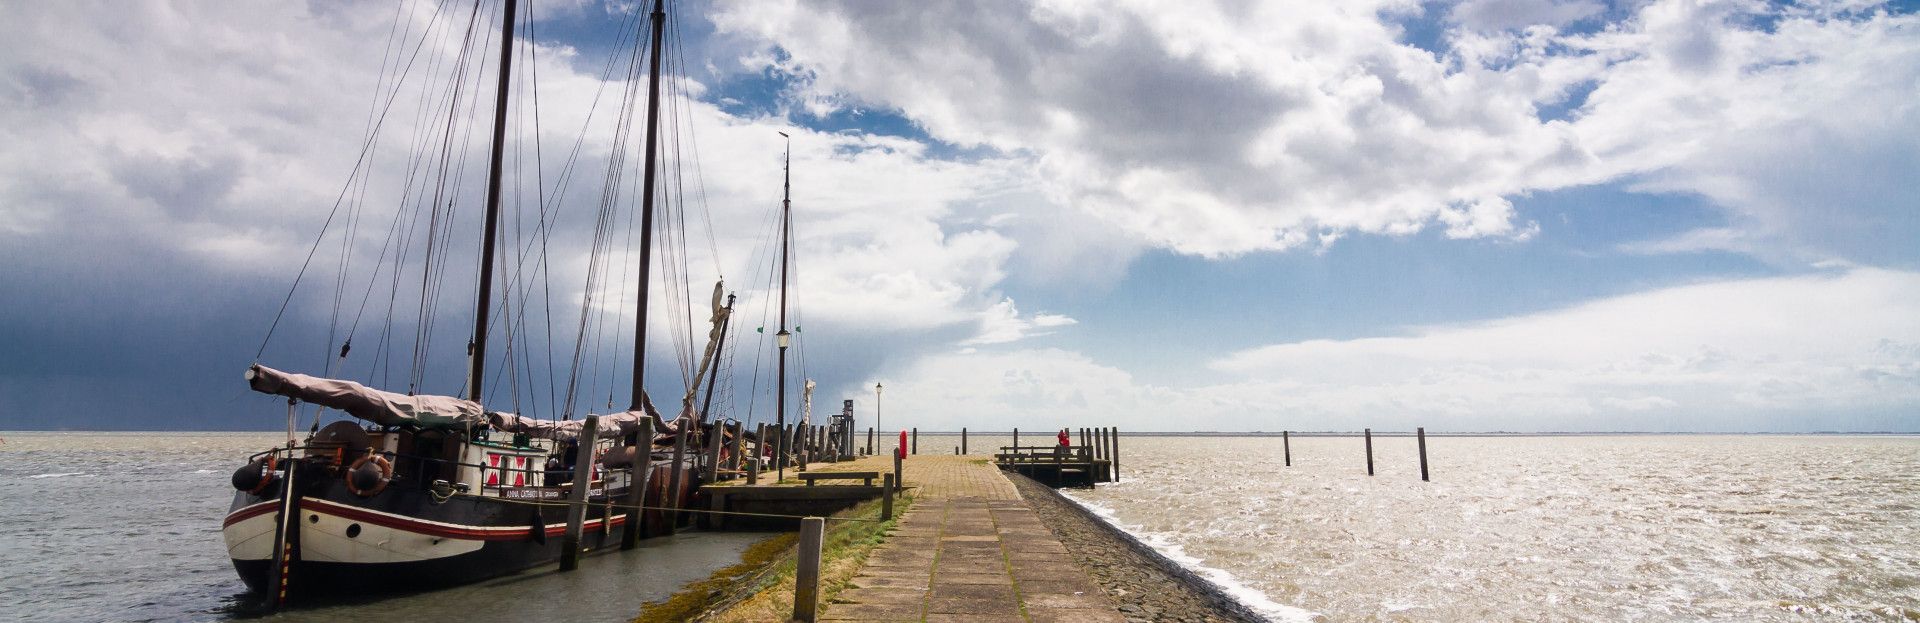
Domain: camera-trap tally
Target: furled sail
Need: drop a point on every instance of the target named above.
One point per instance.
(611, 425)
(380, 407)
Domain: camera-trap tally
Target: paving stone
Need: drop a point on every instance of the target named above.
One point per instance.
(914, 596)
(1074, 615)
(1001, 592)
(942, 576)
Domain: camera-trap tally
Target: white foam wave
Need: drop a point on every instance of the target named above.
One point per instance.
(59, 475)
(1227, 583)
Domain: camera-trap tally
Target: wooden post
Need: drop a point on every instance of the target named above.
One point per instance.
(739, 442)
(1421, 434)
(716, 434)
(1116, 454)
(1369, 434)
(1286, 448)
(869, 441)
(899, 475)
(672, 498)
(759, 449)
(638, 475)
(1016, 441)
(806, 574)
(577, 502)
(916, 440)
(963, 440)
(803, 434)
(886, 497)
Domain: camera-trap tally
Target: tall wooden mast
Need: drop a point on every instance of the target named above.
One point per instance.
(659, 19)
(643, 444)
(477, 357)
(783, 337)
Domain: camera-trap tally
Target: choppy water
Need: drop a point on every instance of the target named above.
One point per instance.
(1618, 528)
(126, 527)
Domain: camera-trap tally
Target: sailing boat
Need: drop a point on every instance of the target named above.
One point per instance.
(425, 497)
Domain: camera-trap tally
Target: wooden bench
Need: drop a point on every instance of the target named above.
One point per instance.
(812, 476)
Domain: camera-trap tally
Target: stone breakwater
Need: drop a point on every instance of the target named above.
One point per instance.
(1145, 585)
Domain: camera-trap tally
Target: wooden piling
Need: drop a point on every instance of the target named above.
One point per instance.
(637, 475)
(1369, 434)
(716, 434)
(963, 440)
(739, 442)
(577, 506)
(916, 440)
(1421, 434)
(759, 450)
(1116, 453)
(886, 497)
(672, 498)
(1016, 440)
(869, 441)
(801, 434)
(1286, 448)
(806, 573)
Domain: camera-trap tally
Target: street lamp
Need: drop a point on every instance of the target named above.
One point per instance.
(876, 410)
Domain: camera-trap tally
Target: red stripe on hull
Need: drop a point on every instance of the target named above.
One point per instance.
(249, 513)
(483, 533)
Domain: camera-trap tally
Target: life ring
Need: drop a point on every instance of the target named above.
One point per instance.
(266, 478)
(367, 491)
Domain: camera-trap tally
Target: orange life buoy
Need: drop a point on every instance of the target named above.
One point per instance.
(386, 475)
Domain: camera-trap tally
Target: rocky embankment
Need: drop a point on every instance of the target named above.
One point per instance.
(1146, 585)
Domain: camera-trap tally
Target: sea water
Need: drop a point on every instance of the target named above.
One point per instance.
(1549, 528)
(126, 527)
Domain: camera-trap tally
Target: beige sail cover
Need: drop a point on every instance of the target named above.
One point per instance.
(611, 425)
(380, 407)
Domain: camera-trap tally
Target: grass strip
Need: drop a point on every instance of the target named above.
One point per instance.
(760, 588)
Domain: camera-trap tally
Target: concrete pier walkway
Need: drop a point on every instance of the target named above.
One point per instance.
(969, 550)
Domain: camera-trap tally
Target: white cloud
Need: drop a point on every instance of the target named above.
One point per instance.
(1224, 128)
(1793, 353)
(1002, 323)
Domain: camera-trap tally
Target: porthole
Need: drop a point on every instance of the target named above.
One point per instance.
(353, 531)
(313, 519)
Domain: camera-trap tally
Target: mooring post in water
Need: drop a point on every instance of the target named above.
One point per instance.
(673, 484)
(577, 502)
(886, 497)
(639, 472)
(759, 450)
(1369, 435)
(963, 440)
(716, 435)
(806, 572)
(916, 440)
(1421, 434)
(1116, 453)
(802, 434)
(1286, 448)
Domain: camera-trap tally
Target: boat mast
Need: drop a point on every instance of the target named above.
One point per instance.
(783, 337)
(636, 485)
(659, 19)
(477, 357)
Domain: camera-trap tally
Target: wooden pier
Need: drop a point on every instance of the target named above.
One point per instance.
(1094, 460)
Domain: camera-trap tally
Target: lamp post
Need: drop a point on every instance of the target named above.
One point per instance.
(783, 339)
(876, 409)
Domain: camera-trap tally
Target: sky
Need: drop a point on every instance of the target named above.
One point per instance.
(1485, 215)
